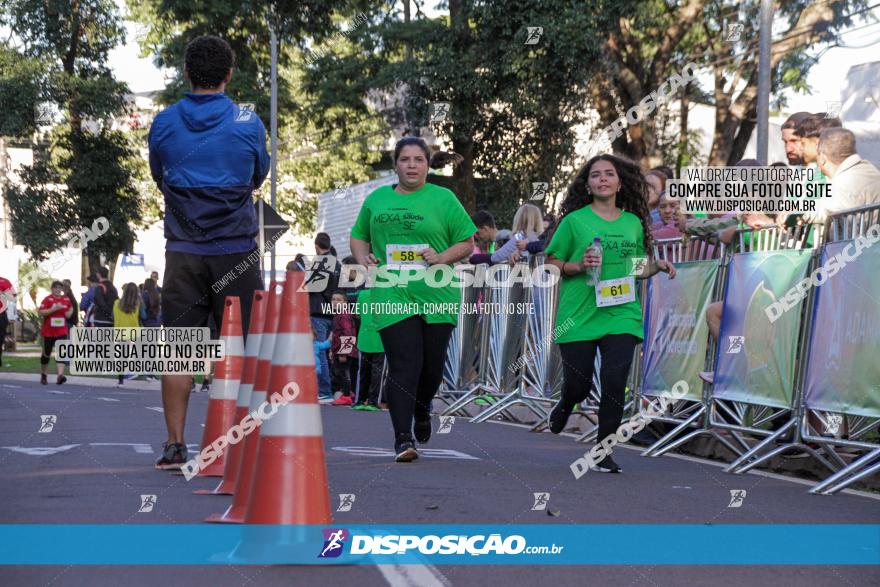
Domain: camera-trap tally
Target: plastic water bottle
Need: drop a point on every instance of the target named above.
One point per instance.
(594, 273)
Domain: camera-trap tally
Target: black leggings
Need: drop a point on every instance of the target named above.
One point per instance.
(578, 360)
(416, 352)
(48, 347)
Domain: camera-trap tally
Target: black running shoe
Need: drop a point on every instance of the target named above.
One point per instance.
(559, 416)
(44, 379)
(606, 465)
(405, 449)
(173, 456)
(422, 429)
(61, 379)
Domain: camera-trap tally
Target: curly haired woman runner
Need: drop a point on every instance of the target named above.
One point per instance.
(605, 201)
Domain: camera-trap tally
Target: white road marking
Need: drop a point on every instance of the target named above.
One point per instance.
(429, 453)
(58, 392)
(40, 451)
(12, 386)
(413, 576)
(107, 399)
(157, 409)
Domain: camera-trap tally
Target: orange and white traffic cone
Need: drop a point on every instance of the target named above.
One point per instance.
(290, 481)
(224, 388)
(241, 494)
(251, 350)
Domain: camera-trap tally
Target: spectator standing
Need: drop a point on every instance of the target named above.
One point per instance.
(343, 351)
(792, 142)
(656, 181)
(128, 313)
(105, 295)
(7, 300)
(87, 303)
(207, 155)
(321, 281)
(855, 182)
(152, 304)
(527, 225)
(55, 310)
(74, 316)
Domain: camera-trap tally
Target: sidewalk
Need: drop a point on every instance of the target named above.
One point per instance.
(86, 381)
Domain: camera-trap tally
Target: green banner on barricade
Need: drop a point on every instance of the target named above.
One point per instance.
(755, 361)
(676, 334)
(843, 370)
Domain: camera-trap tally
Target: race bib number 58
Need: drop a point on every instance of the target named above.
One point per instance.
(405, 255)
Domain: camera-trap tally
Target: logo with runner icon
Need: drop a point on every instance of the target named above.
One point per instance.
(346, 500)
(541, 500)
(47, 423)
(334, 542)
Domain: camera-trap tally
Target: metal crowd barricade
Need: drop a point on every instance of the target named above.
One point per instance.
(505, 341)
(851, 223)
(842, 385)
(736, 408)
(497, 347)
(749, 407)
(461, 370)
(699, 261)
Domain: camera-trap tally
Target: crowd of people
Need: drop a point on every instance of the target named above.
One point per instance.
(613, 212)
(100, 306)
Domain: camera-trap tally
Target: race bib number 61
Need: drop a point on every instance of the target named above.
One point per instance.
(613, 292)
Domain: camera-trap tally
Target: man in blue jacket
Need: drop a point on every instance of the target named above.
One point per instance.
(207, 155)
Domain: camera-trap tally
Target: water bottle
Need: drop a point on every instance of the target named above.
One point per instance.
(594, 274)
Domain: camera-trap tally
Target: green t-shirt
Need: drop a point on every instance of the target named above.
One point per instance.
(368, 339)
(622, 240)
(432, 216)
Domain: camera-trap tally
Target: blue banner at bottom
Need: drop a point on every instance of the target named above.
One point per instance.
(612, 544)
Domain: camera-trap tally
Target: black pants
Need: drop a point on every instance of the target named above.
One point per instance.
(4, 326)
(370, 377)
(578, 360)
(416, 352)
(339, 376)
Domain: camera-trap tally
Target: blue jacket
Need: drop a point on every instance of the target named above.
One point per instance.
(319, 347)
(207, 156)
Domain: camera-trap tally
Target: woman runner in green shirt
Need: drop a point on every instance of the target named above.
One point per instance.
(416, 231)
(606, 200)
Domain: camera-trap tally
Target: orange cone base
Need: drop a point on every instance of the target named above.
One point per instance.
(290, 484)
(225, 488)
(233, 462)
(218, 421)
(258, 544)
(227, 517)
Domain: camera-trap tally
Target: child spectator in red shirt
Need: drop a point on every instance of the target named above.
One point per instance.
(343, 352)
(55, 310)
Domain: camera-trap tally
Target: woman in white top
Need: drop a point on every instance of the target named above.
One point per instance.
(528, 223)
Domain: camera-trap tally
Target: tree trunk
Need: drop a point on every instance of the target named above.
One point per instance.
(464, 174)
(683, 130)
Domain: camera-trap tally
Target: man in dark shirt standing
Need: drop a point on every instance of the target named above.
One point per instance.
(207, 155)
(105, 295)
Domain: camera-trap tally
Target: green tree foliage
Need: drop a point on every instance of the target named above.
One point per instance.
(86, 169)
(721, 36)
(514, 104)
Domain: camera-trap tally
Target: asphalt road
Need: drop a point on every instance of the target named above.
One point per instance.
(97, 461)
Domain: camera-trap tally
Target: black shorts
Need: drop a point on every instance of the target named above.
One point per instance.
(196, 286)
